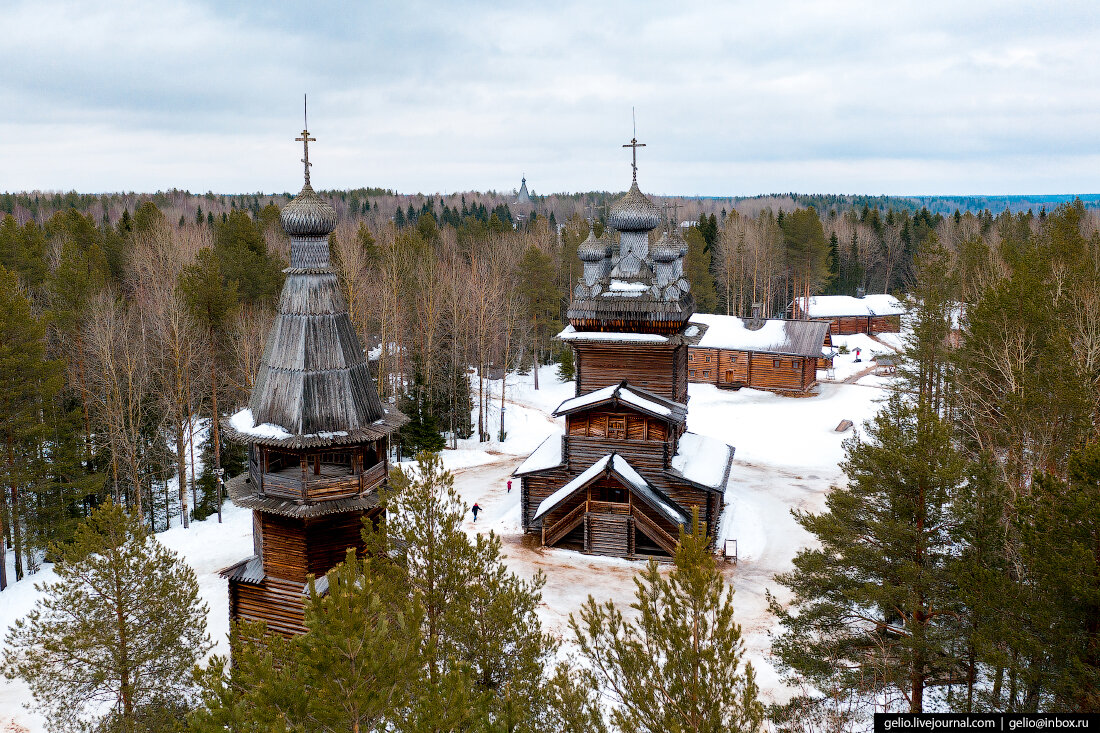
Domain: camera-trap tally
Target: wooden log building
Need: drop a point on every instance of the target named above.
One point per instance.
(626, 475)
(317, 434)
(763, 353)
(848, 315)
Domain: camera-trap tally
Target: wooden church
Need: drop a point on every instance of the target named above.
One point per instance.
(317, 434)
(626, 474)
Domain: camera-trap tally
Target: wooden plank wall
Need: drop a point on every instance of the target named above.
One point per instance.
(886, 324)
(328, 539)
(284, 547)
(608, 534)
(660, 369)
(292, 548)
(278, 603)
(753, 369)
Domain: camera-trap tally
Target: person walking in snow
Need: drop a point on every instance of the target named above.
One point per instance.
(509, 486)
(857, 354)
(475, 509)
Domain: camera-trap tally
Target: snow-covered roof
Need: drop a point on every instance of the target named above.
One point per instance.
(572, 334)
(243, 422)
(627, 288)
(640, 399)
(703, 460)
(241, 426)
(576, 484)
(833, 306)
(775, 335)
(616, 464)
(547, 455)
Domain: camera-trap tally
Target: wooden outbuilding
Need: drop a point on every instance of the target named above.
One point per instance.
(848, 315)
(626, 475)
(763, 353)
(317, 434)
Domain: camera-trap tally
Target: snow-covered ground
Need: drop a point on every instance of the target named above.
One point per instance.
(787, 457)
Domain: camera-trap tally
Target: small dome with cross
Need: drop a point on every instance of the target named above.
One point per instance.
(308, 215)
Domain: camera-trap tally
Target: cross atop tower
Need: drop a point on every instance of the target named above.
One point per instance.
(634, 155)
(675, 213)
(305, 139)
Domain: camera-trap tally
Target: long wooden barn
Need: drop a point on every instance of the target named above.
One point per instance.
(847, 315)
(627, 475)
(316, 432)
(763, 353)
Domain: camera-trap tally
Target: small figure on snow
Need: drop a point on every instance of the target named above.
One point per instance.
(475, 509)
(857, 354)
(509, 486)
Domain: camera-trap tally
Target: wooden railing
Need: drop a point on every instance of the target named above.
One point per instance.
(372, 477)
(324, 487)
(282, 486)
(654, 531)
(563, 526)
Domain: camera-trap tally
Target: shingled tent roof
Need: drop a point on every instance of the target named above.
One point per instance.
(523, 198)
(314, 380)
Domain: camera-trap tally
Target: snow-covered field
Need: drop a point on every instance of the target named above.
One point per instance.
(787, 456)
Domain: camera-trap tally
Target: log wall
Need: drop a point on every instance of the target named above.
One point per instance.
(278, 603)
(775, 372)
(658, 368)
(608, 534)
(293, 547)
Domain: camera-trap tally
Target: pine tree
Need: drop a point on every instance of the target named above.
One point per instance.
(1054, 612)
(480, 638)
(113, 641)
(697, 269)
(874, 606)
(678, 667)
(542, 300)
(29, 382)
(356, 669)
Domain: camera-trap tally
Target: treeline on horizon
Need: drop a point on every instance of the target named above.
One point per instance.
(383, 204)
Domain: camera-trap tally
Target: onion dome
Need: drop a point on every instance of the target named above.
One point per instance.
(592, 249)
(308, 215)
(634, 212)
(665, 250)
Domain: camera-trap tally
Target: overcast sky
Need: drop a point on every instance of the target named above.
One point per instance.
(742, 98)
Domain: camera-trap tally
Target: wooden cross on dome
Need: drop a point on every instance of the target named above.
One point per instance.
(305, 139)
(635, 145)
(675, 213)
(634, 155)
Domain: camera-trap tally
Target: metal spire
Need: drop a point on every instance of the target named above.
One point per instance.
(635, 145)
(305, 139)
